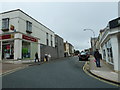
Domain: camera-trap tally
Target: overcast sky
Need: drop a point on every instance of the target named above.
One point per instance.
(68, 19)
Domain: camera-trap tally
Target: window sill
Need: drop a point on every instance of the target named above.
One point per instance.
(5, 29)
(28, 31)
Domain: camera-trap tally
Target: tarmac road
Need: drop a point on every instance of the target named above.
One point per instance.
(64, 73)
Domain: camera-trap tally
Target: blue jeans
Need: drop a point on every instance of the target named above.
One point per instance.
(98, 62)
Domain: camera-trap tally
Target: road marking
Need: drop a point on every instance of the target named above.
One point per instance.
(13, 70)
(97, 77)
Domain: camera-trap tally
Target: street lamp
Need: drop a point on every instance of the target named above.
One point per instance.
(93, 35)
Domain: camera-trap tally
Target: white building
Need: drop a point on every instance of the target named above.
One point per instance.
(68, 49)
(110, 43)
(22, 35)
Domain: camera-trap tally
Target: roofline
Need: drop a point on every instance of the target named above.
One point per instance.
(114, 19)
(58, 35)
(27, 15)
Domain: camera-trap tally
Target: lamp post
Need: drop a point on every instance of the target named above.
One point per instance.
(94, 37)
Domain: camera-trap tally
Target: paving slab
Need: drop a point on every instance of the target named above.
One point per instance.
(104, 71)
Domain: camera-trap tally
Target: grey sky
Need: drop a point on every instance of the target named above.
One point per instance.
(68, 19)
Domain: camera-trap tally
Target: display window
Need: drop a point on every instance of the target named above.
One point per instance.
(25, 49)
(8, 50)
(109, 51)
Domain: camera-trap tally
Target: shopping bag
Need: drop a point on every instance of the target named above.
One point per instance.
(44, 59)
(94, 60)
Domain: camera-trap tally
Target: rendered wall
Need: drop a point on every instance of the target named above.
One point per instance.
(34, 49)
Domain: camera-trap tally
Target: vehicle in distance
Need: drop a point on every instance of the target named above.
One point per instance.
(83, 56)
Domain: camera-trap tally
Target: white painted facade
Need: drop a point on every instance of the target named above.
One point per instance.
(18, 19)
(110, 46)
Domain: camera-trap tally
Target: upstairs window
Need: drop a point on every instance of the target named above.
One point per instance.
(47, 41)
(28, 27)
(5, 24)
(51, 41)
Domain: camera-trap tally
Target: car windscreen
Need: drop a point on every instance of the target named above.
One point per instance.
(83, 53)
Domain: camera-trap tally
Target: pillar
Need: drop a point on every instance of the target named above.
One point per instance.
(39, 56)
(18, 46)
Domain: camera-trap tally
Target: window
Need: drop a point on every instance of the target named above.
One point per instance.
(28, 27)
(60, 42)
(51, 37)
(5, 24)
(51, 41)
(47, 41)
(109, 51)
(104, 54)
(56, 40)
(46, 35)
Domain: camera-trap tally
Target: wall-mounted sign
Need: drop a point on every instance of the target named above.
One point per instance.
(12, 27)
(8, 36)
(29, 38)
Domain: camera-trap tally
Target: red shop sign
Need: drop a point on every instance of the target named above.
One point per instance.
(5, 37)
(29, 38)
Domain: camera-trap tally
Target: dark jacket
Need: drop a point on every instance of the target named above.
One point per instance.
(36, 55)
(97, 55)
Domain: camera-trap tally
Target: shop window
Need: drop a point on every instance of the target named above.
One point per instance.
(25, 50)
(5, 24)
(8, 50)
(28, 27)
(109, 51)
(111, 55)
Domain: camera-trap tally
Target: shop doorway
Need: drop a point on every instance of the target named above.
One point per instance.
(8, 50)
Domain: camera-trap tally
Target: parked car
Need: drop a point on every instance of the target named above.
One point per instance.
(83, 56)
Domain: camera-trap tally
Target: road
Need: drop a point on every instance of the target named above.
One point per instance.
(65, 73)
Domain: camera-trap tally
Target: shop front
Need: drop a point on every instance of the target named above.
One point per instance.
(19, 46)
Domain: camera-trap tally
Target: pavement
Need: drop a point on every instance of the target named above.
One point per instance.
(9, 66)
(105, 72)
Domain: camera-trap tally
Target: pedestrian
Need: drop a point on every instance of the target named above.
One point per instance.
(97, 56)
(36, 57)
(49, 56)
(46, 57)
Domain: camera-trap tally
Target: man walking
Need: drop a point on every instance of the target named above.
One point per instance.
(36, 57)
(97, 56)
